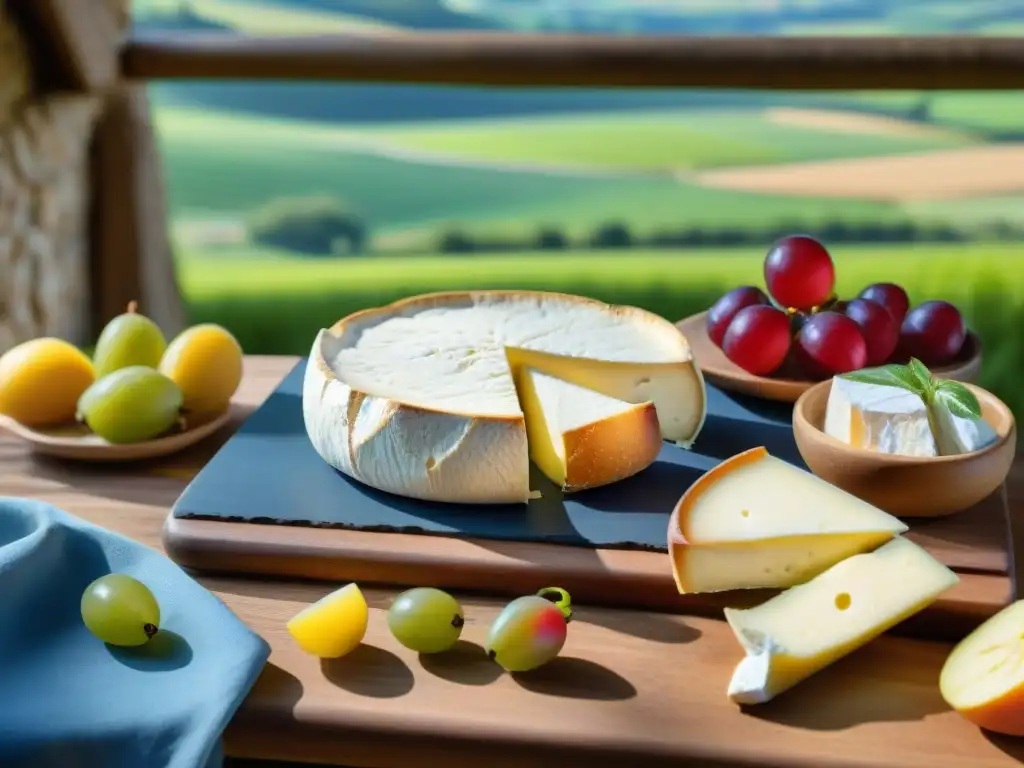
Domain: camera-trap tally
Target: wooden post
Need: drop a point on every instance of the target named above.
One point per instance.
(131, 252)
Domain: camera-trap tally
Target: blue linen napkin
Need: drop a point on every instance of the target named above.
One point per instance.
(68, 700)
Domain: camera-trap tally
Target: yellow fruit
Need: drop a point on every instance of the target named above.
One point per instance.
(205, 361)
(41, 381)
(334, 625)
(983, 678)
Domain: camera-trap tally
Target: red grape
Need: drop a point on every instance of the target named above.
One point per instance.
(830, 344)
(881, 331)
(933, 332)
(758, 339)
(724, 310)
(799, 272)
(890, 296)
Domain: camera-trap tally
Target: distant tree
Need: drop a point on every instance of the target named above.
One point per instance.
(551, 239)
(317, 226)
(613, 235)
(921, 111)
(455, 241)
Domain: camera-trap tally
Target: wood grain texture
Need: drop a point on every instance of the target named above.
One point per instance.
(801, 63)
(83, 37)
(974, 543)
(633, 688)
(130, 251)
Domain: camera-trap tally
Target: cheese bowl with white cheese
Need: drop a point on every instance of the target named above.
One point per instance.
(884, 445)
(448, 397)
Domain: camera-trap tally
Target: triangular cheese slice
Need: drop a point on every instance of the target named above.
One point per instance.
(673, 387)
(757, 521)
(803, 630)
(582, 439)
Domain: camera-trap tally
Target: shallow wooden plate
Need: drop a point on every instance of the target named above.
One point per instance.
(724, 374)
(75, 441)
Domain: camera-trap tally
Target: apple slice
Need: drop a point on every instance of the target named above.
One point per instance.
(983, 678)
(332, 626)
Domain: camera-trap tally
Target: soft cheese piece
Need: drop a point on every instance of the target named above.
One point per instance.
(895, 420)
(757, 521)
(418, 398)
(806, 628)
(582, 439)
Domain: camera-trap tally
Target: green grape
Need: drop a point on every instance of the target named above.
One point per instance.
(120, 610)
(131, 405)
(128, 339)
(426, 620)
(530, 631)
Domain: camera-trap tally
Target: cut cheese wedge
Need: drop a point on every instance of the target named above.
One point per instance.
(755, 521)
(418, 398)
(806, 628)
(582, 439)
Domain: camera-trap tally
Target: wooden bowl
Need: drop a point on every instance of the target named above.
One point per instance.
(76, 442)
(725, 374)
(906, 486)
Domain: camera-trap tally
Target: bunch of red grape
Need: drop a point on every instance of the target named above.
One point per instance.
(802, 323)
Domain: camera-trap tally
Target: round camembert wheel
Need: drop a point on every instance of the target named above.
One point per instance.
(420, 398)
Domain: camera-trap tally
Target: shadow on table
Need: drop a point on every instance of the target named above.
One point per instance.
(572, 678)
(465, 663)
(814, 705)
(1011, 746)
(370, 671)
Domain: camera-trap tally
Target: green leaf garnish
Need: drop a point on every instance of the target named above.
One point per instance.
(915, 377)
(957, 399)
(923, 377)
(886, 376)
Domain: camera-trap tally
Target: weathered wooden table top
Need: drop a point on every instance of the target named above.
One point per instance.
(631, 689)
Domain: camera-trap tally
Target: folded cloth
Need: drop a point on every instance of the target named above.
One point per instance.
(68, 700)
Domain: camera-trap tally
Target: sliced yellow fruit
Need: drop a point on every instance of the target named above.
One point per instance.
(983, 678)
(332, 626)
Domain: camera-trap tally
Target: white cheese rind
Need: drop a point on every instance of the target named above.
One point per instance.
(896, 421)
(418, 398)
(411, 452)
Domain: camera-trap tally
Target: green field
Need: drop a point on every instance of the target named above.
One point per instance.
(265, 17)
(276, 304)
(221, 164)
(678, 139)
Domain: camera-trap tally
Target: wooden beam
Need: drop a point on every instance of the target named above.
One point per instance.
(80, 40)
(131, 257)
(886, 63)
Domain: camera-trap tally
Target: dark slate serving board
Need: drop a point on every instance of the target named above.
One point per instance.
(268, 472)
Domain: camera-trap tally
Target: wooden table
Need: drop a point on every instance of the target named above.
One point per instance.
(632, 688)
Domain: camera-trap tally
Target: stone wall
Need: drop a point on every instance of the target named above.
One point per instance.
(44, 201)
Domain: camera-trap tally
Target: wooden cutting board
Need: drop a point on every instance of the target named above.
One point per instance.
(267, 504)
(631, 688)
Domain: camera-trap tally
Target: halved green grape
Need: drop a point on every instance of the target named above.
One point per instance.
(530, 631)
(426, 620)
(127, 340)
(120, 610)
(131, 405)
